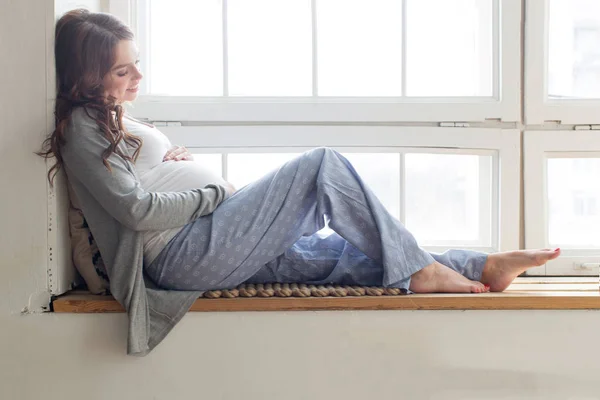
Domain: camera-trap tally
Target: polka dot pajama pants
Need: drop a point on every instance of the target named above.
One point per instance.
(266, 232)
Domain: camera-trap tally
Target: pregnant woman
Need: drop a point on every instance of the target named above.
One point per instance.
(167, 229)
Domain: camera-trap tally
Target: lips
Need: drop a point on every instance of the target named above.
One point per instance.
(133, 89)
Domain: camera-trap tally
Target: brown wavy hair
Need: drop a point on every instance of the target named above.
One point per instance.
(84, 52)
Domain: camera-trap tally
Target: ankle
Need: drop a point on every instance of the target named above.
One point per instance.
(489, 267)
(426, 274)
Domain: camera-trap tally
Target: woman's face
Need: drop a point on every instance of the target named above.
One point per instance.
(123, 79)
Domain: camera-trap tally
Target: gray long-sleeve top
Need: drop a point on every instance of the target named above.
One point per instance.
(118, 210)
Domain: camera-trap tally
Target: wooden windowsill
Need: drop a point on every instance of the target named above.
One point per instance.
(523, 294)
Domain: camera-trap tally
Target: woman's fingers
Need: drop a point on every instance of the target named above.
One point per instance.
(170, 153)
(178, 153)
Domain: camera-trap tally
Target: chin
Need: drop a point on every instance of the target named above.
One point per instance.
(130, 97)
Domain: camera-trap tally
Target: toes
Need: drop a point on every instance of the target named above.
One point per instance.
(547, 254)
(551, 252)
(478, 287)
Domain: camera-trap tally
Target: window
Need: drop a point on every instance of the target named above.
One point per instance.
(562, 93)
(572, 212)
(574, 49)
(563, 62)
(562, 198)
(318, 50)
(247, 84)
(449, 198)
(327, 60)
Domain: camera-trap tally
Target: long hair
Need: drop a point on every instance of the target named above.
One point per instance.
(85, 51)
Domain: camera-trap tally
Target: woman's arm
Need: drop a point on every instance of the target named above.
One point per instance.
(119, 191)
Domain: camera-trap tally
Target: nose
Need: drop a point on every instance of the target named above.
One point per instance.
(138, 73)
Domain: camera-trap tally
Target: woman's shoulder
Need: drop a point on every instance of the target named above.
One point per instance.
(84, 116)
(82, 119)
(82, 126)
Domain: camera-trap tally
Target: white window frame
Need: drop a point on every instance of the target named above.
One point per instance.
(539, 109)
(61, 270)
(505, 105)
(506, 166)
(225, 125)
(536, 145)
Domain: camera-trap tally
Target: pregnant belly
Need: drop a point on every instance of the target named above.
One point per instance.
(177, 176)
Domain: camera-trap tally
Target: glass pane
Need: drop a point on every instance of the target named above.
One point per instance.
(212, 162)
(574, 202)
(449, 50)
(381, 172)
(574, 49)
(243, 169)
(186, 56)
(270, 47)
(443, 197)
(359, 47)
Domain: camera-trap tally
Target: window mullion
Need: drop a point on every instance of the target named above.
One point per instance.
(225, 165)
(404, 41)
(141, 25)
(225, 52)
(487, 208)
(315, 70)
(402, 187)
(496, 43)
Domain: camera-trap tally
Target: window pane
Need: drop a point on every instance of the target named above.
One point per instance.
(574, 49)
(574, 202)
(359, 47)
(186, 56)
(443, 197)
(381, 172)
(212, 162)
(270, 47)
(449, 48)
(243, 169)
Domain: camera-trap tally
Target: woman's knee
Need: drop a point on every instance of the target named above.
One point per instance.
(323, 150)
(320, 153)
(314, 160)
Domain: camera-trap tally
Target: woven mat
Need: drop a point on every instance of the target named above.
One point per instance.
(301, 290)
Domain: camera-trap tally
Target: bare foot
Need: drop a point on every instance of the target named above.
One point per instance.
(502, 268)
(437, 278)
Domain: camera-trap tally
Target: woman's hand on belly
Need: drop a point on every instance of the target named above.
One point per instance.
(178, 153)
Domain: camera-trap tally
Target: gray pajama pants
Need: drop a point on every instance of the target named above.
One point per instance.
(266, 232)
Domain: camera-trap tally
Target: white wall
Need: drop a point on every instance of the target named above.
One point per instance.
(333, 355)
